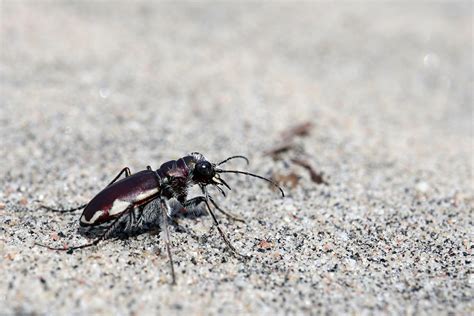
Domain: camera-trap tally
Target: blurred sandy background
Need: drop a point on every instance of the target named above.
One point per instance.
(87, 88)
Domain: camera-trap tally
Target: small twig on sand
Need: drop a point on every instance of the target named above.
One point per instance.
(278, 149)
(302, 129)
(316, 177)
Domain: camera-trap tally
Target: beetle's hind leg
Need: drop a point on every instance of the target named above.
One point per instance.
(68, 210)
(125, 170)
(111, 229)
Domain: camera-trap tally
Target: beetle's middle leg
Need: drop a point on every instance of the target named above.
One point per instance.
(165, 210)
(51, 209)
(127, 174)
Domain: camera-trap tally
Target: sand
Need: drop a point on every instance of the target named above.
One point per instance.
(89, 88)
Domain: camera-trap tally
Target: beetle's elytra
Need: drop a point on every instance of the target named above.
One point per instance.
(171, 181)
(117, 198)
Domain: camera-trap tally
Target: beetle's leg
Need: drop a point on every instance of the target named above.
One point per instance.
(132, 218)
(166, 235)
(63, 210)
(106, 234)
(221, 232)
(141, 211)
(137, 215)
(199, 199)
(229, 215)
(127, 174)
(194, 203)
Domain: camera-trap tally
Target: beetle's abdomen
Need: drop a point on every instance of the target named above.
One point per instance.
(122, 195)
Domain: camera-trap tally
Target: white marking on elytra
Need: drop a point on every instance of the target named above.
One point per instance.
(146, 194)
(118, 207)
(93, 219)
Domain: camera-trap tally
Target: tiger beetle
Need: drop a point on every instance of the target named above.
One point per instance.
(172, 180)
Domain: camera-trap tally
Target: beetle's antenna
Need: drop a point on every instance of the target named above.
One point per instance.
(253, 175)
(233, 157)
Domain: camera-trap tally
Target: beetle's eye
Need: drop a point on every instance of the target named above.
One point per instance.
(204, 169)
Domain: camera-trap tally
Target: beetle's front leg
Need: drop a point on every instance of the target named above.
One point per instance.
(221, 232)
(194, 202)
(199, 199)
(229, 215)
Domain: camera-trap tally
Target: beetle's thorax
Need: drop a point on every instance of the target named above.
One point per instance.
(176, 176)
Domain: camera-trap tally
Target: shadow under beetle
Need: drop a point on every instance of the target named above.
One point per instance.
(172, 180)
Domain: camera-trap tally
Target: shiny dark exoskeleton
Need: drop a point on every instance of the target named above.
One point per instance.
(170, 181)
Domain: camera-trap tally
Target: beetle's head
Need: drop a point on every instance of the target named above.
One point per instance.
(205, 173)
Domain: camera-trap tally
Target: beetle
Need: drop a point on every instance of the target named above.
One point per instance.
(171, 180)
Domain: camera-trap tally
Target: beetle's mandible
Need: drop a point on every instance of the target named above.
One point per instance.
(171, 181)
